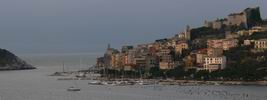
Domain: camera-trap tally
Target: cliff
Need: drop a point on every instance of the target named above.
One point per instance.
(9, 61)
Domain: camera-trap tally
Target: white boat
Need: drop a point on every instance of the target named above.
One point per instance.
(95, 83)
(73, 89)
(142, 82)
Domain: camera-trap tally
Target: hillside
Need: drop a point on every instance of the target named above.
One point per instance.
(9, 61)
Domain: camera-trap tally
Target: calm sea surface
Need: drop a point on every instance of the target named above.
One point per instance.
(37, 85)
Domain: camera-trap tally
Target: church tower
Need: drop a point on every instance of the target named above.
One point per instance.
(187, 33)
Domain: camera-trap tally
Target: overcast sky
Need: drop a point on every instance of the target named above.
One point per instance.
(51, 26)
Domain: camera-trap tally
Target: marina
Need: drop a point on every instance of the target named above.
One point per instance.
(133, 50)
(39, 85)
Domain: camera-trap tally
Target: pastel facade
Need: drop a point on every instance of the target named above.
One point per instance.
(215, 43)
(166, 65)
(215, 52)
(260, 44)
(225, 44)
(229, 43)
(180, 46)
(214, 63)
(116, 61)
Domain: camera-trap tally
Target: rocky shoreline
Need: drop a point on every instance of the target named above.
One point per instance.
(9, 61)
(10, 69)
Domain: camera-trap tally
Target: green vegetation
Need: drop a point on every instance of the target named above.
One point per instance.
(255, 36)
(155, 72)
(254, 18)
(200, 36)
(206, 32)
(245, 64)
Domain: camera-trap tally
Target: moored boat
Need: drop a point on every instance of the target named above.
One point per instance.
(73, 89)
(95, 83)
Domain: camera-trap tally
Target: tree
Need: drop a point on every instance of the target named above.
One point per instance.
(202, 74)
(155, 72)
(177, 73)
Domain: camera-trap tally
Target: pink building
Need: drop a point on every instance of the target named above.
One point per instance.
(225, 44)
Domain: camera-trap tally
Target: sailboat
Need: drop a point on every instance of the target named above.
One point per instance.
(63, 73)
(74, 89)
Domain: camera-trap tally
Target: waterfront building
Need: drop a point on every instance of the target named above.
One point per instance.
(140, 61)
(116, 61)
(214, 63)
(130, 56)
(166, 60)
(151, 61)
(200, 55)
(107, 58)
(190, 61)
(166, 65)
(100, 62)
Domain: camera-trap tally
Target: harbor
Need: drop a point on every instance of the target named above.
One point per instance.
(98, 80)
(133, 50)
(40, 85)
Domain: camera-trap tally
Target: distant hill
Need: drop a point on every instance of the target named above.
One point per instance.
(9, 61)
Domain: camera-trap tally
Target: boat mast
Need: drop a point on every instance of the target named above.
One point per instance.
(63, 67)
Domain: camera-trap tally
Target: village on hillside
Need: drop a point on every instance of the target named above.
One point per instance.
(231, 48)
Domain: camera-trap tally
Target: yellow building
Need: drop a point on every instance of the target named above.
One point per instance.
(180, 46)
(243, 33)
(116, 61)
(166, 65)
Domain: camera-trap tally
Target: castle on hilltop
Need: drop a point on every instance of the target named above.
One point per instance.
(247, 18)
(186, 34)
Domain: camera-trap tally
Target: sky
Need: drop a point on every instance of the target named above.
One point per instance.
(69, 26)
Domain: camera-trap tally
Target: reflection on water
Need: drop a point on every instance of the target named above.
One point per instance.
(36, 85)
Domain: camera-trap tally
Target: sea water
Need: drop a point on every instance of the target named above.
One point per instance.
(38, 85)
